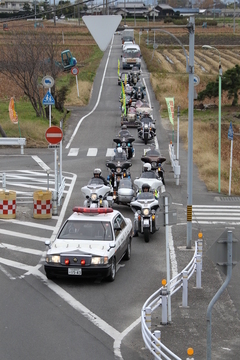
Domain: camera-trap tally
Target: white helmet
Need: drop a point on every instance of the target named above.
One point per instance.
(97, 171)
(147, 167)
(119, 150)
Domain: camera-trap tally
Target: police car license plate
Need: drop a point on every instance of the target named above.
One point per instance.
(74, 271)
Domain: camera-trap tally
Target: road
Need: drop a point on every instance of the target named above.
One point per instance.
(97, 320)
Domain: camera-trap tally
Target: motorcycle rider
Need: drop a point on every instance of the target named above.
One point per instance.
(145, 188)
(160, 173)
(97, 174)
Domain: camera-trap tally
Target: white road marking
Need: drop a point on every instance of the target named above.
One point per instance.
(20, 249)
(23, 236)
(110, 152)
(73, 152)
(29, 224)
(92, 152)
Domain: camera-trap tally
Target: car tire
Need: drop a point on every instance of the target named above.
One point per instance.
(127, 255)
(113, 271)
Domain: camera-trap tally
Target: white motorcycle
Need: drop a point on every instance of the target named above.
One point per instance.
(97, 194)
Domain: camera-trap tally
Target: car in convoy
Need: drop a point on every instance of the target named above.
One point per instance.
(90, 243)
(131, 58)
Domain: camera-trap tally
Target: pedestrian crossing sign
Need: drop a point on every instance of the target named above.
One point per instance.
(48, 99)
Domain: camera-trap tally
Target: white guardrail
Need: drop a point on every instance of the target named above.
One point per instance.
(159, 298)
(7, 141)
(174, 163)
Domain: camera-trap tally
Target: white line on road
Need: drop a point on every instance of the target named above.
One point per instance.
(21, 249)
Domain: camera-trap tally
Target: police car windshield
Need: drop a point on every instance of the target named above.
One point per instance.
(87, 230)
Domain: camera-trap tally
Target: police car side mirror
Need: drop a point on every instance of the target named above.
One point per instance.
(48, 243)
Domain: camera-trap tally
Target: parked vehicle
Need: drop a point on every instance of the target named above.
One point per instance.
(97, 194)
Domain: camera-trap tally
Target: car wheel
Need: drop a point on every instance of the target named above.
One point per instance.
(112, 275)
(127, 255)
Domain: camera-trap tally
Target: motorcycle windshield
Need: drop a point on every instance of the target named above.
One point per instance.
(125, 183)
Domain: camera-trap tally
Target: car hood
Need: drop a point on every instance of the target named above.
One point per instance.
(99, 248)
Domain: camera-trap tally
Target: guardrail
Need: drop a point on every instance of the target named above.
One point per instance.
(8, 141)
(174, 163)
(160, 298)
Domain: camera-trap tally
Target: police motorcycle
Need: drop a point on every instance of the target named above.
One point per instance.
(143, 107)
(153, 157)
(119, 169)
(145, 208)
(147, 128)
(97, 194)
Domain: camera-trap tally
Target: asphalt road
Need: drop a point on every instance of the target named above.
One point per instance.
(66, 318)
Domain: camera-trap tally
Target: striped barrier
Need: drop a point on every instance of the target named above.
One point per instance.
(7, 204)
(42, 204)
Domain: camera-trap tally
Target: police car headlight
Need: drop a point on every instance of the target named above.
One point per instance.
(145, 212)
(99, 260)
(53, 259)
(94, 197)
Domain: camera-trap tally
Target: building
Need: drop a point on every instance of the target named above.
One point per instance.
(130, 9)
(13, 6)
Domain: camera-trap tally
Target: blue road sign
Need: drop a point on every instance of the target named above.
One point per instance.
(230, 132)
(48, 99)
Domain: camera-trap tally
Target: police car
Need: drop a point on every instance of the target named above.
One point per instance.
(91, 243)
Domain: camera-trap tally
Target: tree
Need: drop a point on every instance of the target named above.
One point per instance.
(230, 83)
(27, 59)
(27, 7)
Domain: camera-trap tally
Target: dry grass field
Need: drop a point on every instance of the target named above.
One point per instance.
(167, 65)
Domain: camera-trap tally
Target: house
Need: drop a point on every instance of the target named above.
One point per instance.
(11, 6)
(186, 11)
(130, 9)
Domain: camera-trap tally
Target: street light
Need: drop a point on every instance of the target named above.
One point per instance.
(208, 47)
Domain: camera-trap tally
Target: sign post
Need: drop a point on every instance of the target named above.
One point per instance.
(54, 136)
(230, 136)
(75, 71)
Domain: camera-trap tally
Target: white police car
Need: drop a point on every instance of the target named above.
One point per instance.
(91, 243)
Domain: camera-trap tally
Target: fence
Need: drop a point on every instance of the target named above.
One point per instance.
(159, 298)
(31, 181)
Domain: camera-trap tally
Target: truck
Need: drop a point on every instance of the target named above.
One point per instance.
(128, 35)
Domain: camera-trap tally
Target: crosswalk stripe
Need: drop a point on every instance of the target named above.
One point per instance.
(92, 152)
(110, 152)
(73, 152)
(21, 249)
(214, 214)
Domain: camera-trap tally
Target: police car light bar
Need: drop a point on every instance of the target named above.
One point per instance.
(80, 209)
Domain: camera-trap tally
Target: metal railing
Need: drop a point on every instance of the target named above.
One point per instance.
(174, 163)
(7, 141)
(159, 298)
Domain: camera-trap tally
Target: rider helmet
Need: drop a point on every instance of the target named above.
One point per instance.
(97, 172)
(145, 188)
(147, 167)
(119, 150)
(124, 127)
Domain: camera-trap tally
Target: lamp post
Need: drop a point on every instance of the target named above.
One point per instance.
(208, 47)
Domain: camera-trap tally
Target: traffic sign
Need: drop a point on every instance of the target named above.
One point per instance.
(230, 132)
(54, 135)
(74, 71)
(196, 80)
(47, 81)
(48, 99)
(102, 28)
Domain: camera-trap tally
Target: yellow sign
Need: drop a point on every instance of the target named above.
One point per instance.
(170, 105)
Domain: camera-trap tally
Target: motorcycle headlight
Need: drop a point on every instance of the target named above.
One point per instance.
(145, 212)
(145, 126)
(118, 170)
(99, 260)
(53, 259)
(94, 197)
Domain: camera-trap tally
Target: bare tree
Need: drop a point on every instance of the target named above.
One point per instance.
(28, 58)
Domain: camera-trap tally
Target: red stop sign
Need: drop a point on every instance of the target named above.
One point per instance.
(54, 135)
